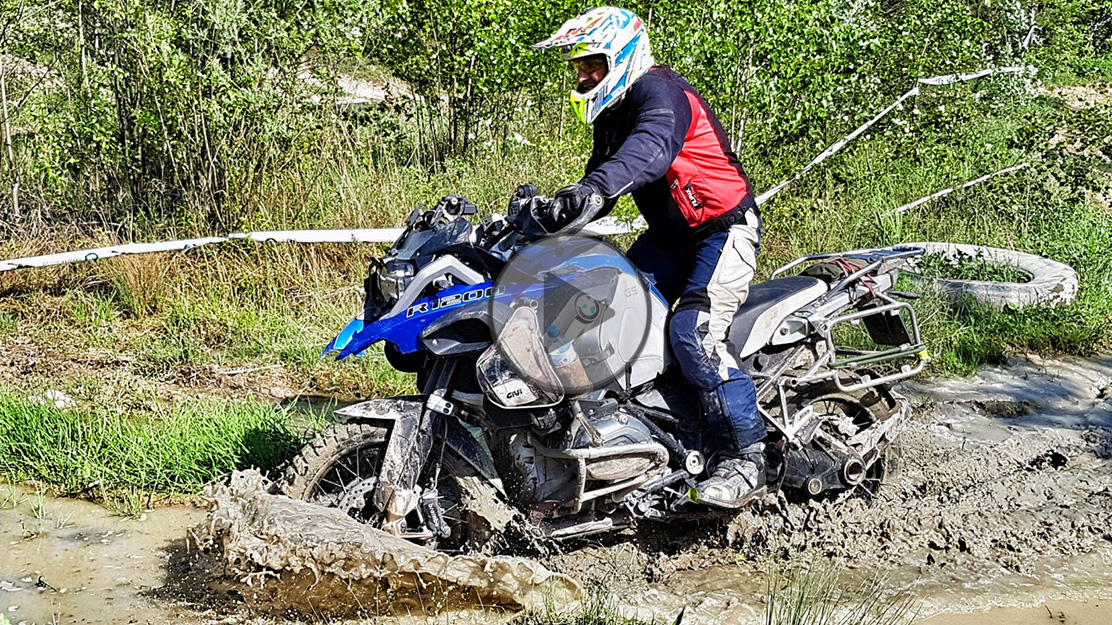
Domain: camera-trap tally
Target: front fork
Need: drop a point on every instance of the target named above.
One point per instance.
(408, 449)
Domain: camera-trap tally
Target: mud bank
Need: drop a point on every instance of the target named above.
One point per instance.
(295, 557)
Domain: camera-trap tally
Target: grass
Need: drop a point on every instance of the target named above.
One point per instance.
(1047, 209)
(969, 267)
(599, 606)
(107, 452)
(800, 595)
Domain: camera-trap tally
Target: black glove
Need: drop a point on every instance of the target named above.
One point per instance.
(579, 202)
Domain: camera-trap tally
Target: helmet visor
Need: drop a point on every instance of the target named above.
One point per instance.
(588, 64)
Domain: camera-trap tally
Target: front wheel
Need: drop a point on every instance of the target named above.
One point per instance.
(339, 469)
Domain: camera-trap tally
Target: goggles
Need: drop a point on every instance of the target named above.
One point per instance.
(589, 64)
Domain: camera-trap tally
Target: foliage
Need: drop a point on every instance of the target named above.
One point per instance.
(157, 113)
(176, 114)
(968, 267)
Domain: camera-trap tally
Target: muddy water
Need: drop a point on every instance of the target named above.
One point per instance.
(1001, 513)
(68, 561)
(1049, 613)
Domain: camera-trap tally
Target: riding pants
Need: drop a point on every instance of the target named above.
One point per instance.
(710, 278)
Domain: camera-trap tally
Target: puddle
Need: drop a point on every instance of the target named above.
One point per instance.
(1050, 612)
(63, 560)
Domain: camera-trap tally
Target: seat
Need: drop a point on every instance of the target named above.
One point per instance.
(768, 304)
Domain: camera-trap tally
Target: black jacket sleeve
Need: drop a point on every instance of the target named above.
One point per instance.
(662, 116)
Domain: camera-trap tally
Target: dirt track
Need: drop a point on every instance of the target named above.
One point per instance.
(1004, 497)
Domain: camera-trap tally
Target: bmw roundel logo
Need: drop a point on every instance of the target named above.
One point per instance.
(586, 307)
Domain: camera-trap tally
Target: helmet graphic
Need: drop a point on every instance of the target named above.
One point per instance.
(616, 34)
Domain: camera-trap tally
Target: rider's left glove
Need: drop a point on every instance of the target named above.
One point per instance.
(576, 200)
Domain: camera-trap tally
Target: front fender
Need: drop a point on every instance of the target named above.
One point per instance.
(403, 328)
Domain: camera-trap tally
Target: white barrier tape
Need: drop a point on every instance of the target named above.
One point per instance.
(105, 252)
(956, 78)
(367, 235)
(935, 196)
(838, 145)
(607, 226)
(359, 235)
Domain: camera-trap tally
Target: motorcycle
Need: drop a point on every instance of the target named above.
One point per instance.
(502, 436)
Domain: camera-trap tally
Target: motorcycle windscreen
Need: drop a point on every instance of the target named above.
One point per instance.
(516, 371)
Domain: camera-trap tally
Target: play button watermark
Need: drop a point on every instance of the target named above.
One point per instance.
(571, 314)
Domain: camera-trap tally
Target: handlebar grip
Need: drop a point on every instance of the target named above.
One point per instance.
(525, 191)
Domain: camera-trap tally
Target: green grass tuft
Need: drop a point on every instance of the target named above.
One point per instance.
(801, 595)
(168, 451)
(598, 607)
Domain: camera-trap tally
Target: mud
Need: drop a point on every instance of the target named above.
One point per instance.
(293, 556)
(26, 363)
(1001, 512)
(1080, 97)
(1003, 498)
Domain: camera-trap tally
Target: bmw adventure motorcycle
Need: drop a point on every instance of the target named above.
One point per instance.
(490, 449)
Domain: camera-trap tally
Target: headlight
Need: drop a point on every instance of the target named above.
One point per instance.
(393, 276)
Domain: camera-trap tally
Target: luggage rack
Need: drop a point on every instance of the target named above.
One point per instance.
(884, 322)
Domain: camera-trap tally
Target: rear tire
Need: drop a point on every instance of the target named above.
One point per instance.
(847, 414)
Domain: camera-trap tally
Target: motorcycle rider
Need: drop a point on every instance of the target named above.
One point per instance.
(656, 139)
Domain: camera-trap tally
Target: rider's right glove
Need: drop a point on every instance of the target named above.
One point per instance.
(575, 201)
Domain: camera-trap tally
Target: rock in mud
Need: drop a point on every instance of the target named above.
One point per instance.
(296, 556)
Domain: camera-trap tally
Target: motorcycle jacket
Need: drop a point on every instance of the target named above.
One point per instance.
(663, 144)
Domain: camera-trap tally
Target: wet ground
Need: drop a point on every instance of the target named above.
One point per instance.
(1001, 513)
(70, 561)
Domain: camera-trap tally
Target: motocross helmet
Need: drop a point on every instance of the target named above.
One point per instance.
(615, 34)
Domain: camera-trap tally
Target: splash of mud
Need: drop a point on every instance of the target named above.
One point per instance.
(297, 556)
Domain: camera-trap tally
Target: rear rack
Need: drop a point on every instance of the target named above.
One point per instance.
(889, 323)
(874, 257)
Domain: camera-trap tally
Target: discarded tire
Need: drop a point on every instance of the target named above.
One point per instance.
(1051, 284)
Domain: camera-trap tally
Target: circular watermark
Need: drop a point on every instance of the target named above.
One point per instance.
(570, 314)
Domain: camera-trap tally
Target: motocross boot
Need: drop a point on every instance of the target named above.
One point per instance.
(738, 479)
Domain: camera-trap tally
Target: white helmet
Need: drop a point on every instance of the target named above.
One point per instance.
(616, 34)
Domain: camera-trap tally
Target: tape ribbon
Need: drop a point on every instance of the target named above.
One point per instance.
(605, 226)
